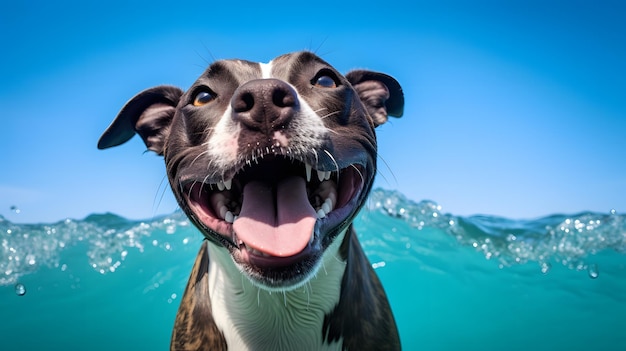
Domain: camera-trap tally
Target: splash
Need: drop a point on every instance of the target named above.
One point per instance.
(24, 248)
(569, 240)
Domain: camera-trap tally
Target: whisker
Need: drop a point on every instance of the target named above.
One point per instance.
(319, 47)
(206, 62)
(333, 131)
(332, 158)
(204, 182)
(330, 114)
(191, 187)
(359, 172)
(155, 203)
(317, 160)
(209, 52)
(338, 259)
(307, 290)
(388, 168)
(199, 155)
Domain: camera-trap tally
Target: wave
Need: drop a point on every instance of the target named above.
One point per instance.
(108, 238)
(567, 239)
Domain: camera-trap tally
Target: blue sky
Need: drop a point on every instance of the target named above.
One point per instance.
(513, 108)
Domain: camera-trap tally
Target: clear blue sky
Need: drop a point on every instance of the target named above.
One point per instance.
(513, 108)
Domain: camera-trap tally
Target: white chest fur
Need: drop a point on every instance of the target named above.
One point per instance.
(252, 318)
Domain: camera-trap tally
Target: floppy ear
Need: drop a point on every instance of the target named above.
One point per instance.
(381, 94)
(148, 114)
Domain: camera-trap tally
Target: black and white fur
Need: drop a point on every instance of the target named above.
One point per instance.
(297, 137)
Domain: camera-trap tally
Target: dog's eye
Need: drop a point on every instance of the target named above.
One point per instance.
(203, 97)
(325, 81)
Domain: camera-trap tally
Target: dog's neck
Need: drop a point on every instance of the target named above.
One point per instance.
(251, 317)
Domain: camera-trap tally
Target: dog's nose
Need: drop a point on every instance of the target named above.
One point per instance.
(264, 104)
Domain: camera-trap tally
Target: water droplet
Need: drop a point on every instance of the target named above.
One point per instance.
(593, 271)
(379, 264)
(20, 289)
(545, 267)
(31, 259)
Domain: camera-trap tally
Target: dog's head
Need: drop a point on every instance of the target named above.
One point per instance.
(271, 161)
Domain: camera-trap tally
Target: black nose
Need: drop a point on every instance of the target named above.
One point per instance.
(264, 104)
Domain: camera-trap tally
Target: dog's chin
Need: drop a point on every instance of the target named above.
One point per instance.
(278, 273)
(284, 252)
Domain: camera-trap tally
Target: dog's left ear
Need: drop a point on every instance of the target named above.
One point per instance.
(148, 114)
(381, 94)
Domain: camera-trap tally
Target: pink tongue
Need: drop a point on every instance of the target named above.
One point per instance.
(279, 224)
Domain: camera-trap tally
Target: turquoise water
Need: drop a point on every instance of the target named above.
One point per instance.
(455, 283)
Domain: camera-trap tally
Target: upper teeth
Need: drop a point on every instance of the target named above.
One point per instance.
(321, 175)
(227, 184)
(307, 169)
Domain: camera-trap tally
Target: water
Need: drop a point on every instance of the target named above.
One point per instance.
(455, 283)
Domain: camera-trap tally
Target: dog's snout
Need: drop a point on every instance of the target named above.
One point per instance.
(264, 104)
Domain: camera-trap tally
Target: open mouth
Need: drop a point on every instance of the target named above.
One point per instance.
(273, 215)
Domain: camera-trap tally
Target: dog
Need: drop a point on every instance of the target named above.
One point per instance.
(272, 162)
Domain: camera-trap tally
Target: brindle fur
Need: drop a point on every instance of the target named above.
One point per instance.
(194, 328)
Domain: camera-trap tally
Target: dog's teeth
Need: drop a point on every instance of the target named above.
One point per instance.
(228, 184)
(236, 240)
(218, 201)
(308, 168)
(321, 175)
(255, 251)
(326, 207)
(330, 203)
(332, 197)
(223, 212)
(228, 217)
(220, 186)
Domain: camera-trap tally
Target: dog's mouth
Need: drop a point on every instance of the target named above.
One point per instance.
(276, 216)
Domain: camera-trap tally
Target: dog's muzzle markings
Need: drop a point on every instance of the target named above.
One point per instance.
(272, 162)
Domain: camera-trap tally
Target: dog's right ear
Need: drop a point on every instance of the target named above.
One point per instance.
(148, 114)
